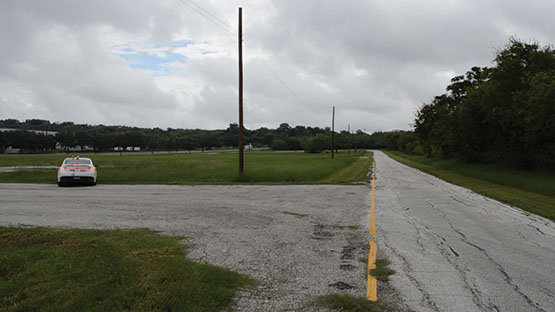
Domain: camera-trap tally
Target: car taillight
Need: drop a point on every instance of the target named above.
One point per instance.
(63, 168)
(92, 168)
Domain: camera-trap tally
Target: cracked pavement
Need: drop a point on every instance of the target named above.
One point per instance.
(297, 241)
(455, 250)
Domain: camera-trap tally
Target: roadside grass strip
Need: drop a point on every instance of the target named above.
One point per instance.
(348, 303)
(203, 168)
(45, 269)
(530, 191)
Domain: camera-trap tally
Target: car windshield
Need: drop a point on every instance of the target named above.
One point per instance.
(77, 162)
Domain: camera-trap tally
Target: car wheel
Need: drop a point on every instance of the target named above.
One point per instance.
(60, 184)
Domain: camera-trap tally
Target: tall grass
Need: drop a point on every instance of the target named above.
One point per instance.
(534, 181)
(203, 168)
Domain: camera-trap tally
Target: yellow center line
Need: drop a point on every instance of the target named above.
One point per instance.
(373, 205)
(372, 285)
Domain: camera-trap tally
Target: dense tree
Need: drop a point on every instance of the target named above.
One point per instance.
(134, 139)
(317, 143)
(105, 138)
(294, 143)
(105, 141)
(4, 142)
(279, 145)
(501, 114)
(84, 138)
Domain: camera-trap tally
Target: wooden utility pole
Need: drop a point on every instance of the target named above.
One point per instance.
(349, 131)
(241, 143)
(332, 132)
(120, 145)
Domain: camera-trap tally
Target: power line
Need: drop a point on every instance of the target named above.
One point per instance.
(271, 70)
(8, 107)
(229, 28)
(209, 16)
(223, 25)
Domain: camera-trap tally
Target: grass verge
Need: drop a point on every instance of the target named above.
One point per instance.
(203, 168)
(356, 172)
(348, 303)
(531, 191)
(43, 269)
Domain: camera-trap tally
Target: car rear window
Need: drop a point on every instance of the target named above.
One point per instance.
(77, 161)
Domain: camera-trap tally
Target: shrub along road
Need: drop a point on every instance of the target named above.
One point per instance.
(455, 250)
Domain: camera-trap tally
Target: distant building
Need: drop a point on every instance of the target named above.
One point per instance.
(248, 147)
(76, 148)
(45, 132)
(12, 150)
(127, 149)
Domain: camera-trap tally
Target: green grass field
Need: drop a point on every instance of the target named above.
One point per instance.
(45, 269)
(529, 190)
(202, 168)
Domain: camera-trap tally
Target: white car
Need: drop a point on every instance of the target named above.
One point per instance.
(77, 170)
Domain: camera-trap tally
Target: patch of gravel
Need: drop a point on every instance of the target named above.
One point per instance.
(298, 242)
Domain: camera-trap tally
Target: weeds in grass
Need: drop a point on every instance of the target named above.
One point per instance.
(348, 303)
(345, 302)
(382, 270)
(45, 269)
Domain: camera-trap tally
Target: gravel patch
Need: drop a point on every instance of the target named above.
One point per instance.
(297, 241)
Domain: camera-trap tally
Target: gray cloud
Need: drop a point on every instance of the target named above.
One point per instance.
(376, 61)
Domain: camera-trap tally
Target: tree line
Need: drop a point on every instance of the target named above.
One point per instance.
(101, 138)
(503, 114)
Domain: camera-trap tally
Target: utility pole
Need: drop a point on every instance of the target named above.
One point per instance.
(349, 131)
(241, 143)
(152, 142)
(46, 139)
(332, 132)
(120, 143)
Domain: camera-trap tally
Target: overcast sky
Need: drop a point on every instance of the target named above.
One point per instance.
(164, 64)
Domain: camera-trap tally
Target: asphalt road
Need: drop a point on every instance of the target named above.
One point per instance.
(455, 250)
(297, 241)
